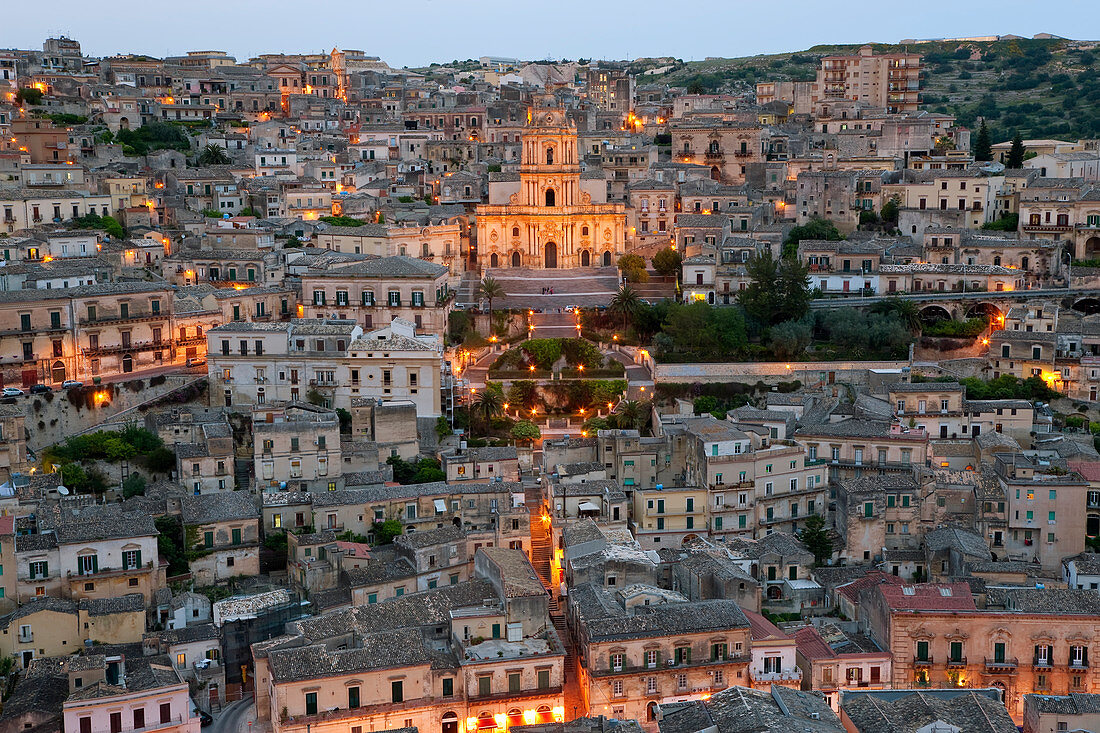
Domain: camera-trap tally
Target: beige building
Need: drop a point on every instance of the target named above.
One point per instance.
(727, 148)
(299, 449)
(641, 649)
(477, 655)
(550, 215)
(49, 627)
(257, 363)
(222, 533)
(373, 292)
(96, 552)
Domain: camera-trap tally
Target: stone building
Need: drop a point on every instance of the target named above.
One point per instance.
(551, 214)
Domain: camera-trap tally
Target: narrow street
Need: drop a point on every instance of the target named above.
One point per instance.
(542, 550)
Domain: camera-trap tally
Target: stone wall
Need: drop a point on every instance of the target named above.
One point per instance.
(51, 418)
(809, 373)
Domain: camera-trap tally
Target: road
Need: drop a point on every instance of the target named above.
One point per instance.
(856, 301)
(235, 718)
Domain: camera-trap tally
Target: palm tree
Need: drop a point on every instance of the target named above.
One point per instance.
(906, 311)
(489, 289)
(213, 155)
(629, 415)
(489, 404)
(626, 303)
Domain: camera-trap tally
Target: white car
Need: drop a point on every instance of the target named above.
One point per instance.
(70, 383)
(12, 392)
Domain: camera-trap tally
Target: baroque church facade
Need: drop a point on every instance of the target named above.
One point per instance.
(549, 214)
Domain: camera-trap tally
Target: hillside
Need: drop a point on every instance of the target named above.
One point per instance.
(1040, 88)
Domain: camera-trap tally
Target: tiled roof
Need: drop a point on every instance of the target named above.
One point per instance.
(223, 507)
(972, 711)
(929, 597)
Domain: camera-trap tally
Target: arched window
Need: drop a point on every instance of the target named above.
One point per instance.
(549, 156)
(545, 714)
(127, 363)
(584, 231)
(550, 197)
(515, 231)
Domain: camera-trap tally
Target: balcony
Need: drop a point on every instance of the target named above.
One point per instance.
(1078, 664)
(191, 340)
(789, 675)
(152, 726)
(600, 669)
(713, 155)
(1000, 666)
(923, 663)
(110, 572)
(958, 663)
(132, 346)
(518, 694)
(1043, 663)
(134, 316)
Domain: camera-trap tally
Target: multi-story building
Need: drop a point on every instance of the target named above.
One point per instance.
(1062, 208)
(206, 464)
(256, 363)
(126, 693)
(960, 199)
(1023, 640)
(301, 449)
(1046, 509)
(669, 515)
(551, 215)
(24, 208)
(889, 80)
(375, 291)
(470, 656)
(727, 148)
(639, 651)
(755, 484)
(832, 660)
(96, 552)
(611, 89)
(222, 534)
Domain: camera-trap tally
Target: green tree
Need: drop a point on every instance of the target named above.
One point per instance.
(384, 532)
(890, 210)
(1016, 153)
(427, 471)
(629, 415)
(906, 311)
(525, 430)
(759, 296)
(213, 155)
(633, 268)
(29, 95)
(816, 538)
(696, 87)
(793, 290)
(790, 339)
(816, 228)
(625, 303)
(160, 460)
(489, 288)
(489, 404)
(345, 420)
(592, 424)
(134, 485)
(170, 543)
(403, 471)
(983, 146)
(667, 262)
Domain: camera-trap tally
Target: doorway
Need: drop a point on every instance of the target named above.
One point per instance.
(551, 255)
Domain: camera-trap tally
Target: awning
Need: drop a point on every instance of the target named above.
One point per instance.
(587, 506)
(440, 506)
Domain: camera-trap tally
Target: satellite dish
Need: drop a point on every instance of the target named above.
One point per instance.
(63, 490)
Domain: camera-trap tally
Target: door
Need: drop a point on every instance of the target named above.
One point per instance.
(585, 258)
(551, 255)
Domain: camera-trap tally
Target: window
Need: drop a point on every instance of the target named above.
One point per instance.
(543, 679)
(311, 703)
(448, 687)
(956, 652)
(396, 691)
(513, 682)
(617, 688)
(484, 685)
(353, 697)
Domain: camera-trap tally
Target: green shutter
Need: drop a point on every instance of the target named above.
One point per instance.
(208, 539)
(139, 558)
(95, 564)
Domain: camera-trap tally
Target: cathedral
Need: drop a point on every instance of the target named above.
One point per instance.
(549, 214)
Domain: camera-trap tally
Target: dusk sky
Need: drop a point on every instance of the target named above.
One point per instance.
(417, 32)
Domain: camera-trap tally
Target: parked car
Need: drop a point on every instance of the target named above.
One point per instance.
(70, 383)
(40, 388)
(195, 361)
(12, 392)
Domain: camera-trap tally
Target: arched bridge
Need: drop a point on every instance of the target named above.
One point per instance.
(966, 305)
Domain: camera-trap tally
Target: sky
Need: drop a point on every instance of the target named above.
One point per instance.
(417, 32)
